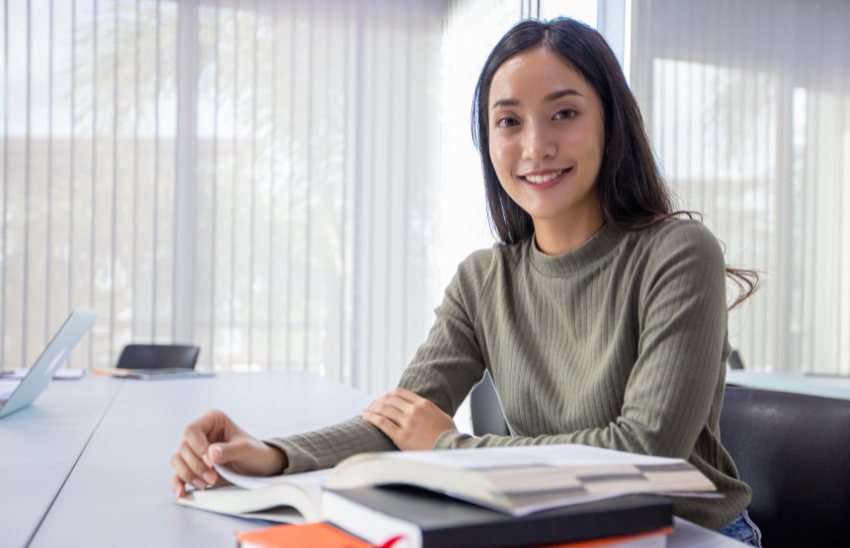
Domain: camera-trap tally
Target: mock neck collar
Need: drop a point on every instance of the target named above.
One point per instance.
(580, 259)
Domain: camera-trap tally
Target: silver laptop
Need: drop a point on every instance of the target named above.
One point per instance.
(46, 365)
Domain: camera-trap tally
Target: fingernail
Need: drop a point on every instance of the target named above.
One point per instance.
(218, 450)
(198, 484)
(175, 491)
(206, 460)
(209, 477)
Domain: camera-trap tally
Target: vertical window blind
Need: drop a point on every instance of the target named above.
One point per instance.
(289, 184)
(257, 177)
(471, 29)
(748, 106)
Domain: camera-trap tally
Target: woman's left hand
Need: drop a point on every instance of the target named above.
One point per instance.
(411, 421)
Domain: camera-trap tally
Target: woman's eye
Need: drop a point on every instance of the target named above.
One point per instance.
(566, 113)
(506, 122)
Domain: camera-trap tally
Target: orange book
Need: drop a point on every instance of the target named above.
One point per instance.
(111, 372)
(310, 535)
(613, 542)
(322, 535)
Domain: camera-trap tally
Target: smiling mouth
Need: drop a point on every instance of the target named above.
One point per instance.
(543, 179)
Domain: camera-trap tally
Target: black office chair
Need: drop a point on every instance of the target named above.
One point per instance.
(735, 361)
(158, 356)
(794, 451)
(487, 414)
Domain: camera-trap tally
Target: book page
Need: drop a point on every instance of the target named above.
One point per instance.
(522, 480)
(565, 455)
(310, 482)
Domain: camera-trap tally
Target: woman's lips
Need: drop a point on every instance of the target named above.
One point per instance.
(548, 183)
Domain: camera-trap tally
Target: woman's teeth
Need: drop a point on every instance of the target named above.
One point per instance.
(540, 179)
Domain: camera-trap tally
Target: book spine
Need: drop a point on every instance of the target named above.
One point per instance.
(372, 526)
(543, 530)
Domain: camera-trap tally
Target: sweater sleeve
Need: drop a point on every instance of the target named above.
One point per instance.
(682, 340)
(444, 370)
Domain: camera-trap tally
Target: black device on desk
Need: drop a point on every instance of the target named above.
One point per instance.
(159, 361)
(154, 374)
(158, 356)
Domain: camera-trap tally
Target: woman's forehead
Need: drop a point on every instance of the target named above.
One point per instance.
(532, 76)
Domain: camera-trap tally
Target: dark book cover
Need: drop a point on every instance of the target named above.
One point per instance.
(450, 523)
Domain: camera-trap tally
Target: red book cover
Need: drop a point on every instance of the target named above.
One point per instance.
(311, 535)
(322, 535)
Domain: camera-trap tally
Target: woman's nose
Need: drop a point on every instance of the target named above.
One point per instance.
(538, 144)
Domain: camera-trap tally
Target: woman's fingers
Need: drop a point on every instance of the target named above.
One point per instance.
(248, 455)
(409, 420)
(178, 486)
(406, 395)
(185, 473)
(195, 464)
(235, 452)
(196, 435)
(395, 414)
(385, 425)
(388, 411)
(394, 401)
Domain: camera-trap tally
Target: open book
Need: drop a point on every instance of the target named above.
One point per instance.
(284, 499)
(522, 480)
(514, 480)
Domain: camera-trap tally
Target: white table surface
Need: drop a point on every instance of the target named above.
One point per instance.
(39, 446)
(119, 491)
(799, 383)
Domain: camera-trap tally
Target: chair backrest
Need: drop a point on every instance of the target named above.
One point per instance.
(735, 361)
(158, 356)
(794, 451)
(487, 414)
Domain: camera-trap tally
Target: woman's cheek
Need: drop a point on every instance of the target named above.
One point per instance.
(497, 151)
(503, 153)
(497, 156)
(587, 141)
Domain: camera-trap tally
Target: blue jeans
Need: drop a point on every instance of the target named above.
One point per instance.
(743, 529)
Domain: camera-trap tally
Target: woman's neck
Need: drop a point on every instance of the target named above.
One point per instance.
(568, 232)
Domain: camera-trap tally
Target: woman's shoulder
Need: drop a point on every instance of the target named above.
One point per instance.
(479, 266)
(679, 247)
(676, 236)
(476, 267)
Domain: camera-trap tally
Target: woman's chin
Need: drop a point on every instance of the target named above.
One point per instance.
(547, 214)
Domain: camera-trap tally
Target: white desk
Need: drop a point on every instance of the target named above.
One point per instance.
(119, 492)
(799, 383)
(39, 446)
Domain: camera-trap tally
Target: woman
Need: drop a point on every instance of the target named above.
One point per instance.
(601, 317)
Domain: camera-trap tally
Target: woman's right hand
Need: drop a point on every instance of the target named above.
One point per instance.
(215, 439)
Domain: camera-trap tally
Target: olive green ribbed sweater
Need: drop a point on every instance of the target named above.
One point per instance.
(621, 343)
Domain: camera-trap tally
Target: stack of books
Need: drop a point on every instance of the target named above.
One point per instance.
(512, 497)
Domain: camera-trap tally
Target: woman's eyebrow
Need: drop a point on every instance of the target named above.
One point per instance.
(558, 94)
(505, 102)
(551, 97)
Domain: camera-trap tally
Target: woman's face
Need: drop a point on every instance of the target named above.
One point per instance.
(547, 136)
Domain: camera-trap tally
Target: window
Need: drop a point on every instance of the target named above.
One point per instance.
(257, 177)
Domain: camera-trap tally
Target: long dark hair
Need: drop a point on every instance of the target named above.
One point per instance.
(632, 194)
